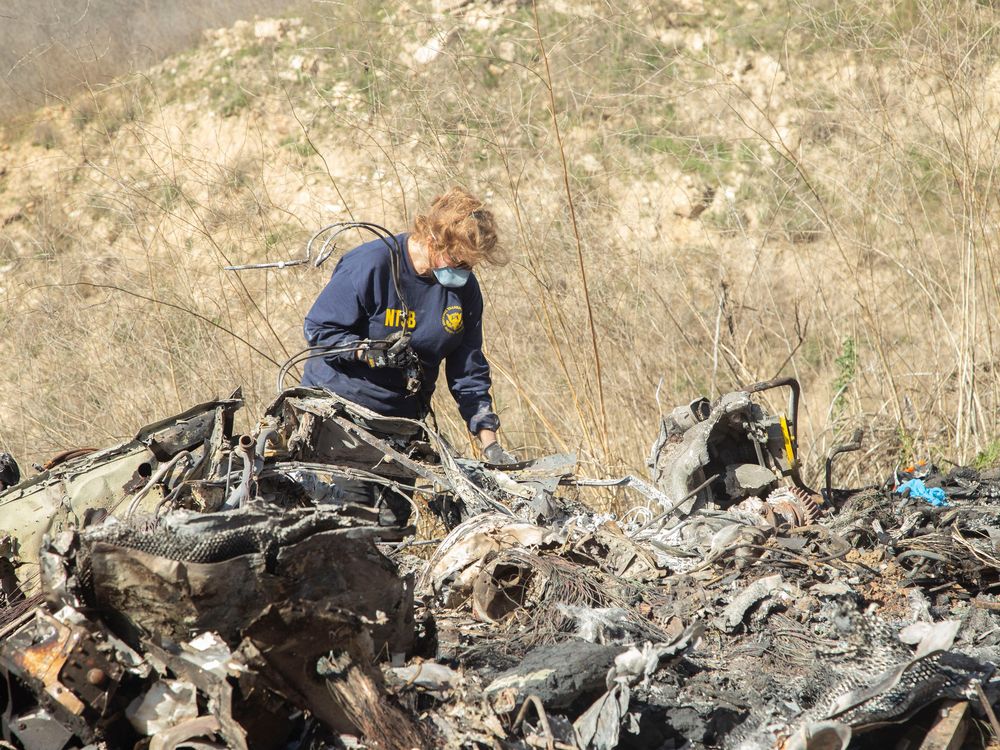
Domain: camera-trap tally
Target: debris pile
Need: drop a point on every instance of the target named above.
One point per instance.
(196, 588)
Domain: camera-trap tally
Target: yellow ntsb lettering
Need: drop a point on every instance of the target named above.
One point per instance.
(394, 318)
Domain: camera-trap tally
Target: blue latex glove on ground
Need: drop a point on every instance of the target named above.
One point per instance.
(933, 495)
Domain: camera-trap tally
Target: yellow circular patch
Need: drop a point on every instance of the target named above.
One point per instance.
(452, 319)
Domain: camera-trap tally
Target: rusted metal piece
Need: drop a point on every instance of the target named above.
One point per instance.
(949, 731)
(90, 674)
(796, 506)
(38, 653)
(66, 665)
(96, 677)
(984, 701)
(67, 455)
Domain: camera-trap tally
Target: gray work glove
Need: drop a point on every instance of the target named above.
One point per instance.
(395, 351)
(496, 455)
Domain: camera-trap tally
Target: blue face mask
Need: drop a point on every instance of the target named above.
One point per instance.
(451, 277)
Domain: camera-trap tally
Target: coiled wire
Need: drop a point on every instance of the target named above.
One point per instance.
(325, 251)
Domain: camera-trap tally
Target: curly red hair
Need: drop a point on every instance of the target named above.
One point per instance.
(461, 227)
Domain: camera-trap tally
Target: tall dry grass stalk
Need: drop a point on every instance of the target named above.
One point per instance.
(693, 201)
(602, 421)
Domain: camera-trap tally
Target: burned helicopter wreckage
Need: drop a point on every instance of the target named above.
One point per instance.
(196, 588)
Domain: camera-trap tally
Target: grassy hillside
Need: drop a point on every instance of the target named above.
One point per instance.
(694, 195)
(49, 50)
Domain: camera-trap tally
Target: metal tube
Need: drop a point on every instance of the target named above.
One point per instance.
(854, 445)
(284, 263)
(265, 435)
(160, 473)
(793, 420)
(245, 448)
(793, 400)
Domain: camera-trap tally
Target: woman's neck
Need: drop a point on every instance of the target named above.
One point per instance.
(420, 256)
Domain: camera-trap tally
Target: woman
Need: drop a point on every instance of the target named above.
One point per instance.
(398, 330)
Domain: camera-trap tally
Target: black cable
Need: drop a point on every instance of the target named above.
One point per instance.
(388, 239)
(395, 249)
(310, 352)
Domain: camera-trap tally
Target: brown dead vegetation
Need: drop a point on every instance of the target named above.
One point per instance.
(757, 190)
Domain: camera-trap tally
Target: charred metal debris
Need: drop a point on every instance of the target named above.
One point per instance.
(193, 588)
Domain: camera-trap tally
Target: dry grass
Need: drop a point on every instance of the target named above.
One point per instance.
(49, 50)
(804, 190)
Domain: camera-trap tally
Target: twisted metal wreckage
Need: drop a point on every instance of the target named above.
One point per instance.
(197, 589)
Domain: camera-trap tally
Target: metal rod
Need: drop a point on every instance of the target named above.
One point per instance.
(627, 481)
(989, 710)
(854, 445)
(245, 447)
(676, 505)
(160, 473)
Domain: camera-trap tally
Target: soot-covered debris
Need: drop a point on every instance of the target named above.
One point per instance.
(194, 588)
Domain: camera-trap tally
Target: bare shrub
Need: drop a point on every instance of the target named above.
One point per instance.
(44, 134)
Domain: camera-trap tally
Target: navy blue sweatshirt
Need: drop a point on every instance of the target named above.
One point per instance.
(360, 302)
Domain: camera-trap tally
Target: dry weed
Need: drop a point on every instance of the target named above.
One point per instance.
(687, 202)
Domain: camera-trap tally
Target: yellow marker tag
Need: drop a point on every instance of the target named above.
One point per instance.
(789, 452)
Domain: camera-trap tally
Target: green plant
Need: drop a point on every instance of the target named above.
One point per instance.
(907, 450)
(45, 134)
(169, 195)
(85, 111)
(847, 370)
(988, 457)
(233, 100)
(709, 158)
(298, 146)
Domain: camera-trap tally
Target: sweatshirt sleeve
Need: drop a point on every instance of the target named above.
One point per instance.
(468, 372)
(337, 315)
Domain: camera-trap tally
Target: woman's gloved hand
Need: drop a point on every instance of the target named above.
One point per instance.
(496, 455)
(395, 351)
